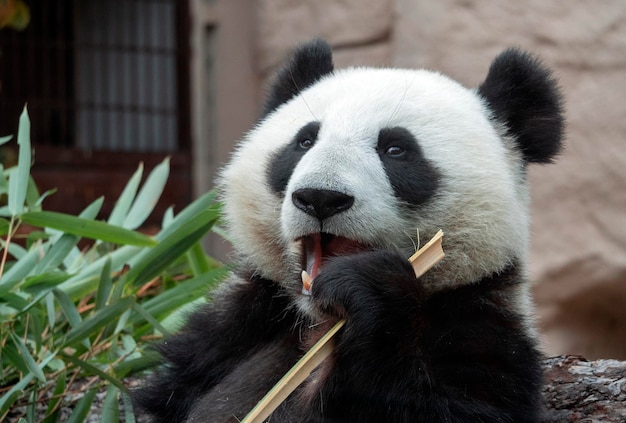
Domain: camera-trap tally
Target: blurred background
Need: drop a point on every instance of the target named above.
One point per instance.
(111, 84)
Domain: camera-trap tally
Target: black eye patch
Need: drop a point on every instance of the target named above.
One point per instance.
(284, 161)
(414, 179)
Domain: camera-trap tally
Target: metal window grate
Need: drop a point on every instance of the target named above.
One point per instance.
(130, 49)
(98, 75)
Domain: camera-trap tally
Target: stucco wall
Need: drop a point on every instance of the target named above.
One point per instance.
(578, 251)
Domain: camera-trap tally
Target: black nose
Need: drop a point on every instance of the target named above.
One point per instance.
(321, 203)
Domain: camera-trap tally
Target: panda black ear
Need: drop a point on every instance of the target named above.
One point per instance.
(523, 94)
(307, 65)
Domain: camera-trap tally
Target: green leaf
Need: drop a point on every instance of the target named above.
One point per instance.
(198, 260)
(82, 408)
(4, 140)
(97, 321)
(22, 268)
(12, 395)
(169, 249)
(105, 285)
(4, 227)
(129, 413)
(32, 193)
(18, 179)
(148, 196)
(150, 319)
(89, 276)
(52, 411)
(93, 370)
(125, 200)
(168, 217)
(71, 312)
(183, 293)
(87, 228)
(28, 358)
(50, 309)
(12, 354)
(66, 243)
(110, 407)
(57, 253)
(202, 203)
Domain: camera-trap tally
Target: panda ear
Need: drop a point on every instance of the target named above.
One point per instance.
(523, 95)
(307, 65)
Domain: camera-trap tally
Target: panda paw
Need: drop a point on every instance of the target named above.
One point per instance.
(373, 290)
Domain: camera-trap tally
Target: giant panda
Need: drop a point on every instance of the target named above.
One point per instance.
(344, 175)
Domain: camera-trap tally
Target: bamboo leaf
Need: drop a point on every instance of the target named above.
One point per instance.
(89, 275)
(66, 243)
(129, 413)
(87, 228)
(12, 354)
(50, 309)
(93, 370)
(198, 260)
(71, 312)
(7, 400)
(18, 179)
(148, 196)
(28, 358)
(20, 269)
(105, 285)
(110, 407)
(184, 292)
(97, 321)
(125, 200)
(52, 411)
(32, 193)
(150, 319)
(169, 249)
(4, 227)
(202, 203)
(81, 410)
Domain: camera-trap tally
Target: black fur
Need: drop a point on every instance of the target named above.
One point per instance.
(413, 178)
(308, 64)
(462, 355)
(284, 161)
(524, 95)
(214, 343)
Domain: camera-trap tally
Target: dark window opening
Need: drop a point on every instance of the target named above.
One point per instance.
(106, 83)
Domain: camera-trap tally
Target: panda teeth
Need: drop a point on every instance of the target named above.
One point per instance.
(307, 283)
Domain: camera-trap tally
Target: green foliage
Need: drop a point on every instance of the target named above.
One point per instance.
(78, 319)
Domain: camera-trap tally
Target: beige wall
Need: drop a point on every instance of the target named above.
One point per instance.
(578, 255)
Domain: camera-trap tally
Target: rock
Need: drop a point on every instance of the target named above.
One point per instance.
(578, 390)
(284, 23)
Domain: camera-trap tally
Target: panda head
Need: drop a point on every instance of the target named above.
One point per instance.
(361, 158)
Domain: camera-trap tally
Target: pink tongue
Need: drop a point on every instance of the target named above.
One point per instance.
(313, 249)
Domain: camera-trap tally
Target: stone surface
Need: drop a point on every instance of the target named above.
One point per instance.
(578, 390)
(284, 23)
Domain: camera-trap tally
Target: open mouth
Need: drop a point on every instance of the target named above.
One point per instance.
(317, 248)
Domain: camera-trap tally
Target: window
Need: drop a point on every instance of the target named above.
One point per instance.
(106, 87)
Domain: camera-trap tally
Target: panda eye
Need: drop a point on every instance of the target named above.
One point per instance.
(306, 143)
(394, 151)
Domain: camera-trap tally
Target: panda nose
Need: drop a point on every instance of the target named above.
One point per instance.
(321, 203)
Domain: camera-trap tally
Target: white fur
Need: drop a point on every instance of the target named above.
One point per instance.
(481, 204)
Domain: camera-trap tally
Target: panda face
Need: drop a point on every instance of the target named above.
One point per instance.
(372, 159)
